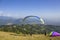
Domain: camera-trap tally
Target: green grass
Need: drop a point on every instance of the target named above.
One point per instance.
(13, 36)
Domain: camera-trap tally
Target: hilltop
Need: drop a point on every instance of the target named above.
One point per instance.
(13, 36)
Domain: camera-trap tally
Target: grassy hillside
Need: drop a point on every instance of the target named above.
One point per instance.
(13, 36)
(26, 29)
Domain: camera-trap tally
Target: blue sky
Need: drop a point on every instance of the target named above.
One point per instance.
(49, 9)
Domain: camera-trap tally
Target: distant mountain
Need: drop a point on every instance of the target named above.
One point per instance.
(5, 20)
(52, 22)
(10, 20)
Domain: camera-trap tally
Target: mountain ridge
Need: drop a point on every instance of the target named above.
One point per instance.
(5, 20)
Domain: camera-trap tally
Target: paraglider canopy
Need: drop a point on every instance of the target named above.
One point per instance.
(40, 19)
(53, 34)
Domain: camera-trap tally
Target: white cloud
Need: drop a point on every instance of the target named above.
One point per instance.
(10, 15)
(5, 14)
(1, 13)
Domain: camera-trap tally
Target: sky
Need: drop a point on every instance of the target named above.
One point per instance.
(49, 9)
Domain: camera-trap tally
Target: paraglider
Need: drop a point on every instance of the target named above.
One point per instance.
(54, 34)
(40, 19)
